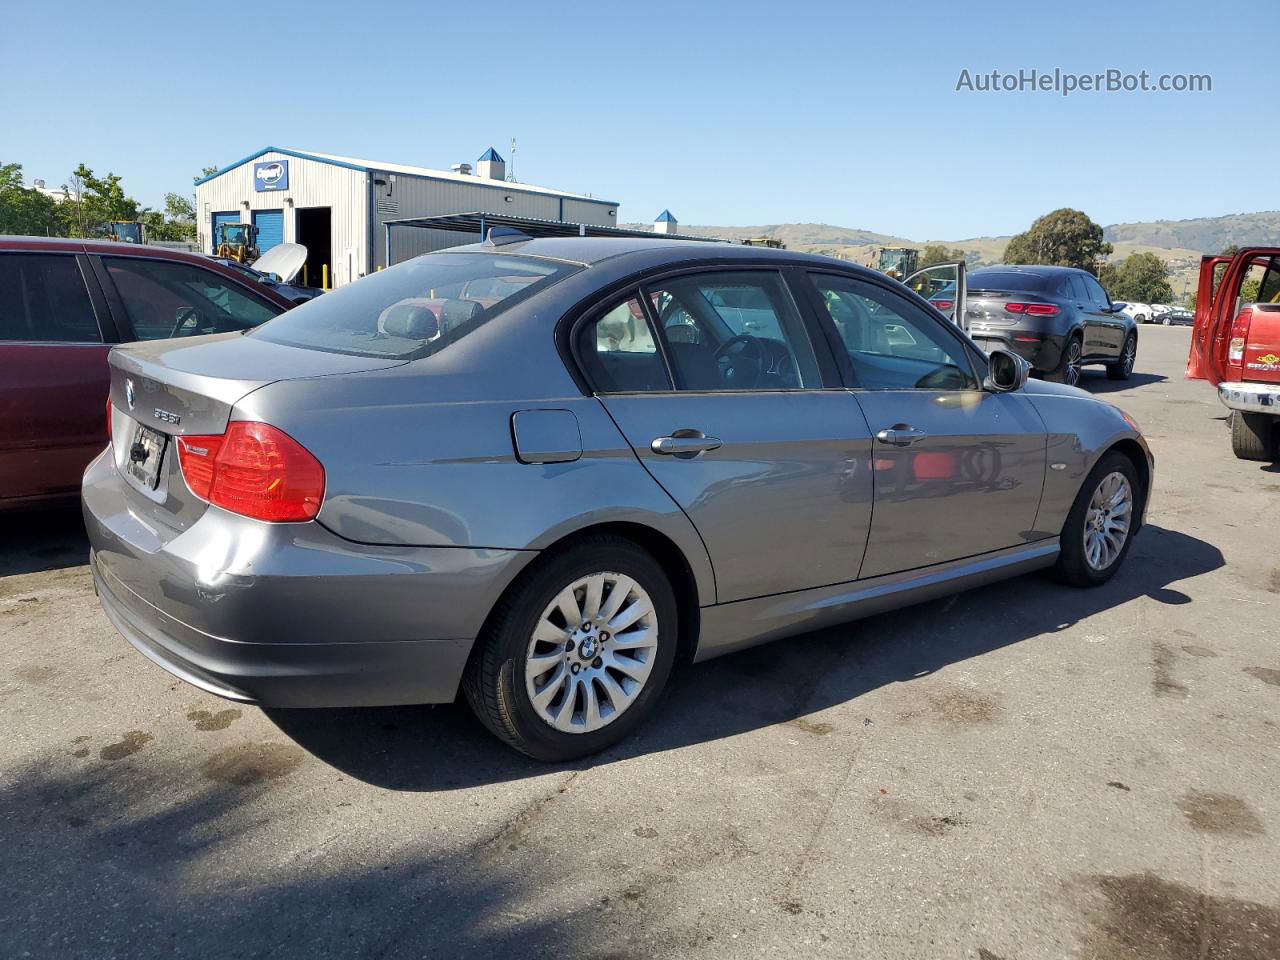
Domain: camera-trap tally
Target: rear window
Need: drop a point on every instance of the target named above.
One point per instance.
(414, 308)
(1006, 280)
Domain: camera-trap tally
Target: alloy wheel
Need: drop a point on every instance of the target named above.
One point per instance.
(1107, 521)
(1129, 356)
(1073, 363)
(591, 652)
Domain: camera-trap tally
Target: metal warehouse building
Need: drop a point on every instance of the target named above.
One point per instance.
(339, 207)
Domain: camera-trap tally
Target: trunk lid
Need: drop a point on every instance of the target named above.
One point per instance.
(162, 389)
(986, 307)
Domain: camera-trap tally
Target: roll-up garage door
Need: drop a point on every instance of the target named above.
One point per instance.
(270, 224)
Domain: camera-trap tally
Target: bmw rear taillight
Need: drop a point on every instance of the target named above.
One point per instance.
(256, 470)
(1034, 309)
(1235, 346)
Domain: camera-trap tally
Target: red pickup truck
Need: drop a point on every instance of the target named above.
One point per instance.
(63, 305)
(1235, 345)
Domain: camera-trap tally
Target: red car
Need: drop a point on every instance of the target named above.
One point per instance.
(1236, 345)
(63, 305)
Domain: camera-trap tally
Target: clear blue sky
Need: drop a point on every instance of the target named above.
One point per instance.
(727, 112)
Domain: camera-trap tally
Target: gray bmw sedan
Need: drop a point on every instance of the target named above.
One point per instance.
(545, 471)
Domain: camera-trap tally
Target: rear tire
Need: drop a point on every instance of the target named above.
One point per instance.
(504, 676)
(1069, 364)
(1253, 435)
(1093, 524)
(1123, 368)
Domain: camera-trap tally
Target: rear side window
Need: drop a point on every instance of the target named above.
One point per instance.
(164, 298)
(734, 331)
(1096, 293)
(43, 299)
(618, 351)
(1011, 280)
(415, 308)
(1078, 288)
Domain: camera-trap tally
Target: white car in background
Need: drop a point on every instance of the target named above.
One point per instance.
(1137, 312)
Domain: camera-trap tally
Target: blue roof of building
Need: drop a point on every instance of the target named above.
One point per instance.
(491, 155)
(666, 217)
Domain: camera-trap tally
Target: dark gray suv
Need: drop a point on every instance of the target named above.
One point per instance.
(1057, 318)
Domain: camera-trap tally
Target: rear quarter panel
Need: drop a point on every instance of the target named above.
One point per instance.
(403, 468)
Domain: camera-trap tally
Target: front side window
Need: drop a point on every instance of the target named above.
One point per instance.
(415, 308)
(43, 300)
(164, 298)
(892, 343)
(734, 331)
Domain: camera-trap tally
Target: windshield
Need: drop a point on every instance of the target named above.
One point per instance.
(414, 308)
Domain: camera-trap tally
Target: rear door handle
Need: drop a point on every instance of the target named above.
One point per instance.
(685, 444)
(901, 435)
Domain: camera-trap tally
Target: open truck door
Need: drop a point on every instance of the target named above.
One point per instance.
(1197, 357)
(945, 286)
(1243, 305)
(1235, 345)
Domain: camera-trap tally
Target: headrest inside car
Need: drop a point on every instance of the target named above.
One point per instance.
(409, 320)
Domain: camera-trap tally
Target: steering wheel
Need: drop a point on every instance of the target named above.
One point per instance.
(742, 360)
(183, 316)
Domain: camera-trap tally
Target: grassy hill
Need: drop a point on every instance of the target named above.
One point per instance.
(1179, 243)
(1207, 234)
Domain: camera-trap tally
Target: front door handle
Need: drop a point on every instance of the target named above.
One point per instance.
(685, 444)
(901, 435)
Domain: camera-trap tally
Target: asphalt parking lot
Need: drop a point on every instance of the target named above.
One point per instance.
(1022, 771)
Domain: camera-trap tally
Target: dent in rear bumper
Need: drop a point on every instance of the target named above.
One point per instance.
(1251, 397)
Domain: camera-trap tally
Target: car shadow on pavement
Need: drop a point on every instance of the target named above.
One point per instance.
(443, 748)
(1097, 381)
(140, 860)
(45, 539)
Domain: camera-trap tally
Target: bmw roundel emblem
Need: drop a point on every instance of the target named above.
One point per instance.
(128, 393)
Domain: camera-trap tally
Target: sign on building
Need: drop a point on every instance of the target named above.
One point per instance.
(271, 175)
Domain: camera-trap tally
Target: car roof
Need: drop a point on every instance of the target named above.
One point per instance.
(592, 250)
(1039, 270)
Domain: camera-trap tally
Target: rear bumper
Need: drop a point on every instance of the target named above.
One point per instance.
(289, 615)
(1251, 397)
(1043, 354)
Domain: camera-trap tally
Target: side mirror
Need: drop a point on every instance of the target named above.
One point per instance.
(1006, 372)
(1117, 306)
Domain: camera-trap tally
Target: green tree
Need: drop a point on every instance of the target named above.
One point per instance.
(176, 222)
(1063, 238)
(94, 202)
(1140, 278)
(938, 253)
(23, 209)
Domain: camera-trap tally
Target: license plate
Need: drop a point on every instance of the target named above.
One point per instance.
(142, 459)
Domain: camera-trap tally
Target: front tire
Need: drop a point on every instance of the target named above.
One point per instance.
(1122, 369)
(1253, 436)
(576, 654)
(1099, 529)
